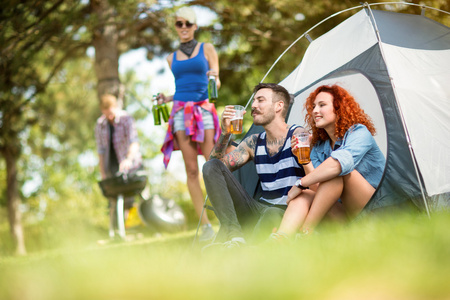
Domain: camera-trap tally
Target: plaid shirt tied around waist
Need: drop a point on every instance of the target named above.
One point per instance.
(193, 122)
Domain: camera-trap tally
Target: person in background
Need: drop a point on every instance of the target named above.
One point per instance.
(241, 217)
(346, 163)
(117, 142)
(193, 123)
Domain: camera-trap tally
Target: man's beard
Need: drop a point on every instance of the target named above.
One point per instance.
(264, 119)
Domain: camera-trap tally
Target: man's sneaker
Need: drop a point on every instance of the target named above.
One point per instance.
(207, 233)
(234, 243)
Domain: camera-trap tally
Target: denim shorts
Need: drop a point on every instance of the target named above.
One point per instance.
(178, 120)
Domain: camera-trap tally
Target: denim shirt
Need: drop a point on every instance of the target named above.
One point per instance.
(356, 151)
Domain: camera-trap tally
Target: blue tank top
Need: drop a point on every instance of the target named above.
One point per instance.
(191, 82)
(277, 173)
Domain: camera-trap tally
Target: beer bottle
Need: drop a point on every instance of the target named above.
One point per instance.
(164, 111)
(155, 111)
(212, 89)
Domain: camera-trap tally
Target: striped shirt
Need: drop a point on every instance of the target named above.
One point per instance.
(277, 173)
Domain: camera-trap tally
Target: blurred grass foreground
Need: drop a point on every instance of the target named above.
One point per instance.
(397, 256)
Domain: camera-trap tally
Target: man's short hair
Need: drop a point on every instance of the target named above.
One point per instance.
(107, 101)
(280, 94)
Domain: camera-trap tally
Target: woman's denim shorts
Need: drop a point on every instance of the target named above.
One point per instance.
(178, 120)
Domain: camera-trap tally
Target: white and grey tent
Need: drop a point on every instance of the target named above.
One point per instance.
(397, 66)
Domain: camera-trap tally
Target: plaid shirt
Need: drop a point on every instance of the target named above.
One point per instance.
(124, 135)
(193, 123)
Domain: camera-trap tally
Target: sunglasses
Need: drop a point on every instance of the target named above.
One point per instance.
(180, 24)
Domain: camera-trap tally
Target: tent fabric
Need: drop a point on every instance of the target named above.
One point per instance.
(332, 50)
(420, 77)
(401, 78)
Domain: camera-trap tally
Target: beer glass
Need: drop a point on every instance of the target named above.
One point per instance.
(302, 149)
(237, 120)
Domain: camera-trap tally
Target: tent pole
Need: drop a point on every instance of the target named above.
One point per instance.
(293, 43)
(411, 150)
(332, 16)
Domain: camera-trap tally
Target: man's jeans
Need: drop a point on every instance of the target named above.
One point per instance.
(239, 214)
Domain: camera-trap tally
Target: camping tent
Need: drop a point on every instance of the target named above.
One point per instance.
(397, 66)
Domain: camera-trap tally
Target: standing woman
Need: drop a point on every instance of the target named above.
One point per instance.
(193, 125)
(346, 164)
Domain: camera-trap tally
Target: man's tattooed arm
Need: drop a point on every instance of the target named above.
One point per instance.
(220, 147)
(242, 154)
(239, 156)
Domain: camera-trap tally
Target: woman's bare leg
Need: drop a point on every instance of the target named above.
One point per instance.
(353, 190)
(296, 213)
(208, 143)
(357, 192)
(190, 153)
(326, 196)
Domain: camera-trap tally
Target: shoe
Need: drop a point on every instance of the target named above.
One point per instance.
(234, 243)
(304, 234)
(207, 233)
(278, 237)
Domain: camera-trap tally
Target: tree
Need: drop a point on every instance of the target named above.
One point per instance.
(35, 42)
(118, 27)
(37, 39)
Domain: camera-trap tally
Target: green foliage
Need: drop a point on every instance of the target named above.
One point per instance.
(251, 35)
(398, 256)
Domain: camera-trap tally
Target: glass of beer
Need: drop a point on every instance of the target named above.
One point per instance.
(237, 120)
(302, 149)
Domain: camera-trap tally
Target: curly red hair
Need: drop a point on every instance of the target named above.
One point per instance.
(347, 110)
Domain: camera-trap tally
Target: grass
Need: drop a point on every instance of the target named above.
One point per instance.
(401, 256)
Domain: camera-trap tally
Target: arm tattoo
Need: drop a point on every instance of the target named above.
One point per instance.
(220, 147)
(236, 159)
(239, 156)
(242, 154)
(251, 143)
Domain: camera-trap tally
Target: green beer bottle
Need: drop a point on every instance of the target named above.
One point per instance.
(164, 111)
(155, 111)
(212, 89)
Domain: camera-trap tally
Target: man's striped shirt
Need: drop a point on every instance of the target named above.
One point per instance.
(277, 173)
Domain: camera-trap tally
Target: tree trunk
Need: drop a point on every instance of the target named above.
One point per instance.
(106, 51)
(12, 195)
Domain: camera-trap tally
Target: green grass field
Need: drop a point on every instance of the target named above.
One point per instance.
(398, 256)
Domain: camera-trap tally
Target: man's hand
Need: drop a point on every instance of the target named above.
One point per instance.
(125, 165)
(227, 115)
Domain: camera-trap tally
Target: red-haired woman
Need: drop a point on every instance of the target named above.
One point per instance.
(346, 164)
